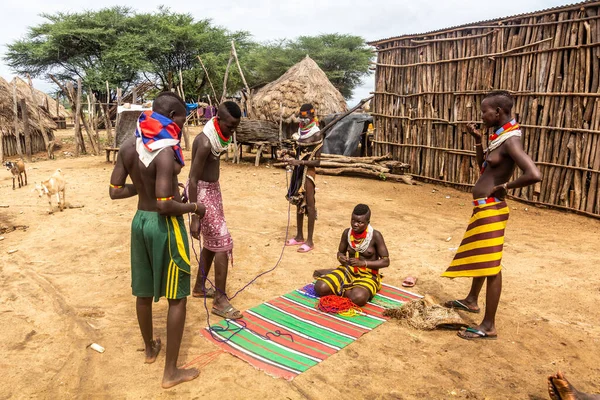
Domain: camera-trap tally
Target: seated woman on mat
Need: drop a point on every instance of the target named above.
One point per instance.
(362, 253)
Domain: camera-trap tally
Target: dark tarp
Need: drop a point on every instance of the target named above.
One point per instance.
(343, 138)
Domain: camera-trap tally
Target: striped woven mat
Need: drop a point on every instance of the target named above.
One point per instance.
(286, 336)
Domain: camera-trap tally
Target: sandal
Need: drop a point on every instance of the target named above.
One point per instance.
(229, 313)
(305, 248)
(476, 334)
(293, 242)
(208, 293)
(410, 281)
(459, 305)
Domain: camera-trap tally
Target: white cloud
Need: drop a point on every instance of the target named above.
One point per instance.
(270, 19)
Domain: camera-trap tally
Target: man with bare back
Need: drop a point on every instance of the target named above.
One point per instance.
(160, 263)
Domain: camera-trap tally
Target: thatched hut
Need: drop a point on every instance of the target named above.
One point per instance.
(429, 86)
(305, 82)
(45, 101)
(39, 120)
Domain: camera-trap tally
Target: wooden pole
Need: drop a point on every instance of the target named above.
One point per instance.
(134, 96)
(119, 96)
(16, 120)
(107, 122)
(237, 61)
(95, 119)
(39, 114)
(235, 149)
(80, 147)
(58, 106)
(226, 76)
(209, 81)
(181, 85)
(86, 125)
(26, 128)
(186, 134)
(280, 122)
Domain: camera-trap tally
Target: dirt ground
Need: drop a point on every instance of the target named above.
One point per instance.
(68, 286)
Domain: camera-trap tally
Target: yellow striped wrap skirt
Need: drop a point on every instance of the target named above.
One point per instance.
(480, 252)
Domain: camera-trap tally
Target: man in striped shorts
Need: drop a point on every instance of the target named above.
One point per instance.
(362, 253)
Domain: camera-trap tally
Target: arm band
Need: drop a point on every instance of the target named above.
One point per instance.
(116, 186)
(165, 198)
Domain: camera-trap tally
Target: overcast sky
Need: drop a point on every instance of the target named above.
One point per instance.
(269, 19)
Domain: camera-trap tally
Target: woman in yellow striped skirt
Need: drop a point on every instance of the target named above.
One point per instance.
(362, 253)
(480, 253)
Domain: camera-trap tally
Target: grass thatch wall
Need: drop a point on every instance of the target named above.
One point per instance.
(45, 101)
(429, 86)
(38, 119)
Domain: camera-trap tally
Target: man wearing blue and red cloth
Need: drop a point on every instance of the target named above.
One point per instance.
(479, 255)
(160, 264)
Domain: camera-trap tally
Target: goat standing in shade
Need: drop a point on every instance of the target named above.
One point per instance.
(17, 169)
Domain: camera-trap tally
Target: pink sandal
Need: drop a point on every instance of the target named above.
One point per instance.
(410, 281)
(305, 248)
(293, 242)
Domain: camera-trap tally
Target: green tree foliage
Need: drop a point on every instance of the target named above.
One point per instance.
(124, 47)
(88, 45)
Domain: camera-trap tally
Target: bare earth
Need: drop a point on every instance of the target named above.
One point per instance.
(68, 286)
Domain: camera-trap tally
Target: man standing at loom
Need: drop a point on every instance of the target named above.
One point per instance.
(160, 264)
(203, 186)
(301, 192)
(362, 253)
(480, 253)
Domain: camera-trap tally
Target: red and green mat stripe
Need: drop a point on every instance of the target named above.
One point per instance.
(286, 336)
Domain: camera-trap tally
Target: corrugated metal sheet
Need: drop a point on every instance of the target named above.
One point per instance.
(586, 3)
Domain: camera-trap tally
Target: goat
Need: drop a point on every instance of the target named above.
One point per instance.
(17, 169)
(53, 186)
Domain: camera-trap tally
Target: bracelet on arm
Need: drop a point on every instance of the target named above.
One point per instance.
(116, 186)
(165, 198)
(505, 185)
(478, 145)
(195, 207)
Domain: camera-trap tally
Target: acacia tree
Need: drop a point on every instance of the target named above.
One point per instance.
(123, 47)
(87, 45)
(174, 44)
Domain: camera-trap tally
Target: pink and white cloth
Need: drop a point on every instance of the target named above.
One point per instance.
(213, 228)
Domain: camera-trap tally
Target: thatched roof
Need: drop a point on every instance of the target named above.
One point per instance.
(305, 82)
(37, 120)
(45, 101)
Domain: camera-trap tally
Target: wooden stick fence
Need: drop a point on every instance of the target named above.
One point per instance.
(429, 86)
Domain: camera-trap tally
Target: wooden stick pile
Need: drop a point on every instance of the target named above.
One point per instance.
(381, 167)
(429, 86)
(255, 130)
